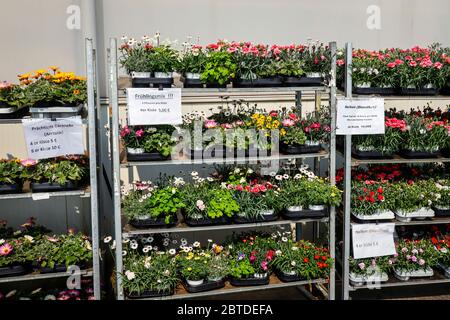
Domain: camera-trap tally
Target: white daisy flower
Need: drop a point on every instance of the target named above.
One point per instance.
(107, 240)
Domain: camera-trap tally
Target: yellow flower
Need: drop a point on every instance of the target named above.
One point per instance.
(76, 92)
(53, 68)
(189, 269)
(283, 132)
(24, 76)
(40, 72)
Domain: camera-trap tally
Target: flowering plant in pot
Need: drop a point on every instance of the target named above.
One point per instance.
(316, 57)
(11, 95)
(63, 173)
(301, 261)
(207, 203)
(319, 194)
(149, 205)
(414, 258)
(163, 61)
(441, 197)
(370, 270)
(219, 69)
(57, 253)
(317, 128)
(192, 63)
(412, 199)
(441, 242)
(133, 138)
(218, 264)
(380, 146)
(193, 263)
(371, 200)
(289, 64)
(15, 255)
(11, 176)
(52, 88)
(148, 272)
(135, 56)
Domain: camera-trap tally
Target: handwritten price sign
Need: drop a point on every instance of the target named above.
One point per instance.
(373, 240)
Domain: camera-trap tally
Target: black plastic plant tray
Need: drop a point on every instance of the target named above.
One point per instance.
(249, 282)
(299, 149)
(441, 213)
(206, 286)
(367, 155)
(56, 268)
(10, 188)
(151, 156)
(302, 81)
(216, 85)
(150, 294)
(206, 222)
(192, 83)
(12, 271)
(266, 218)
(408, 154)
(305, 214)
(53, 187)
(258, 83)
(15, 114)
(378, 91)
(151, 223)
(417, 92)
(445, 152)
(445, 90)
(140, 82)
(161, 82)
(288, 278)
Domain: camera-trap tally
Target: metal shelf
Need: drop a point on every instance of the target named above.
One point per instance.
(181, 293)
(438, 278)
(398, 159)
(43, 276)
(321, 155)
(429, 221)
(85, 193)
(129, 231)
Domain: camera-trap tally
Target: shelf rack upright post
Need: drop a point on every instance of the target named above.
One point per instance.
(121, 232)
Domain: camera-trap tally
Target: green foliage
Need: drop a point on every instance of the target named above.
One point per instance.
(193, 61)
(409, 197)
(11, 171)
(59, 171)
(158, 142)
(415, 255)
(11, 96)
(163, 59)
(294, 136)
(136, 59)
(368, 266)
(219, 68)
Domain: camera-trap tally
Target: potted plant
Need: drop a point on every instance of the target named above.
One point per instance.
(54, 94)
(441, 242)
(289, 65)
(150, 274)
(317, 59)
(319, 194)
(11, 176)
(14, 255)
(192, 65)
(441, 195)
(133, 138)
(370, 271)
(57, 253)
(371, 200)
(219, 69)
(301, 261)
(414, 258)
(193, 262)
(218, 264)
(59, 174)
(206, 203)
(147, 205)
(380, 146)
(412, 199)
(135, 60)
(12, 98)
(317, 128)
(252, 257)
(163, 61)
(292, 136)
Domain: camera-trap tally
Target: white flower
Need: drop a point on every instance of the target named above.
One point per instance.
(284, 239)
(293, 263)
(150, 239)
(285, 176)
(294, 248)
(133, 244)
(422, 131)
(124, 253)
(130, 275)
(107, 240)
(210, 179)
(201, 180)
(113, 246)
(273, 174)
(159, 281)
(126, 240)
(209, 240)
(237, 170)
(29, 238)
(249, 171)
(444, 250)
(194, 173)
(2, 241)
(242, 180)
(166, 272)
(172, 252)
(196, 244)
(145, 250)
(278, 252)
(297, 176)
(279, 177)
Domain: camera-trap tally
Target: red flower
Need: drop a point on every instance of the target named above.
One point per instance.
(324, 258)
(316, 257)
(305, 260)
(380, 197)
(380, 190)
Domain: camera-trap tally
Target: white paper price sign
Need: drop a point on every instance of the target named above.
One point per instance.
(48, 138)
(373, 240)
(360, 116)
(148, 106)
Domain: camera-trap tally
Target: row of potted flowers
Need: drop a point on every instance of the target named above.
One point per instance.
(413, 258)
(413, 134)
(41, 294)
(239, 130)
(239, 195)
(42, 89)
(63, 173)
(415, 71)
(245, 64)
(33, 247)
(247, 260)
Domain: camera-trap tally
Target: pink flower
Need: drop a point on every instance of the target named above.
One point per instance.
(391, 65)
(421, 262)
(398, 62)
(288, 122)
(200, 205)
(340, 62)
(125, 131)
(210, 124)
(28, 162)
(414, 259)
(239, 123)
(139, 133)
(5, 249)
(264, 265)
(252, 258)
(239, 188)
(307, 129)
(226, 126)
(273, 113)
(327, 128)
(438, 65)
(412, 63)
(362, 265)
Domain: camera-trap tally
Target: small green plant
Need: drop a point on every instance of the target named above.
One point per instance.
(368, 197)
(163, 59)
(219, 68)
(135, 56)
(411, 196)
(369, 266)
(160, 142)
(59, 170)
(193, 60)
(11, 171)
(15, 251)
(293, 136)
(11, 95)
(193, 265)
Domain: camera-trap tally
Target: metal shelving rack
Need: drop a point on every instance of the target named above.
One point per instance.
(90, 192)
(121, 232)
(347, 223)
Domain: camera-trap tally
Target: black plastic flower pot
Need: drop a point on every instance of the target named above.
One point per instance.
(56, 268)
(12, 271)
(445, 152)
(367, 155)
(306, 81)
(299, 149)
(206, 221)
(258, 83)
(216, 85)
(375, 90)
(417, 91)
(247, 282)
(445, 90)
(150, 294)
(7, 112)
(147, 156)
(260, 218)
(153, 223)
(161, 82)
(10, 188)
(409, 154)
(441, 212)
(206, 286)
(287, 277)
(192, 83)
(304, 214)
(53, 187)
(140, 82)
